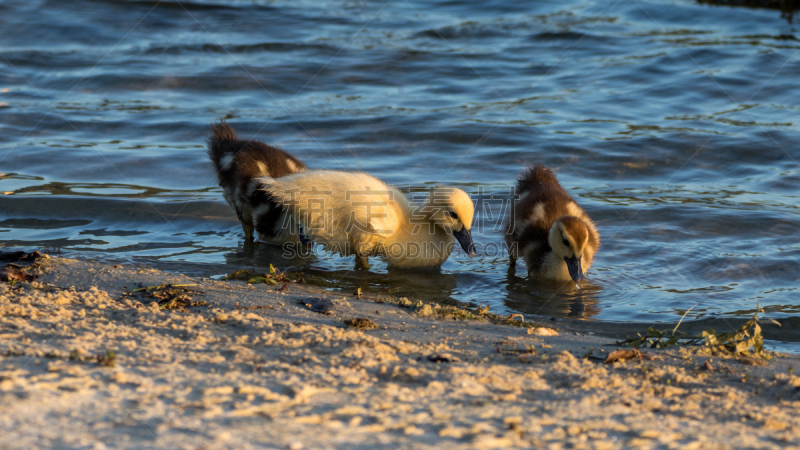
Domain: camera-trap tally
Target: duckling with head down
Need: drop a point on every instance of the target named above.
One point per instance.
(238, 163)
(353, 213)
(549, 230)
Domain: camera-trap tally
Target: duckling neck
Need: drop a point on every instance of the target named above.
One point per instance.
(419, 241)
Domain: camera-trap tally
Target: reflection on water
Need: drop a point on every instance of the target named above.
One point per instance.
(673, 123)
(552, 299)
(424, 285)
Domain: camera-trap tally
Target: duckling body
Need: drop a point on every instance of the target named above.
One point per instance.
(238, 163)
(353, 213)
(547, 228)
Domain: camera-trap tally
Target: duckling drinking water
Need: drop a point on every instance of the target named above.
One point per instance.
(353, 213)
(239, 162)
(549, 230)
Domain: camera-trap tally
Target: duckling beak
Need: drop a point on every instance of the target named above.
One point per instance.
(464, 237)
(575, 270)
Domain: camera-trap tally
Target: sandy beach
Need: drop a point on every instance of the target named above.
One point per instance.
(89, 361)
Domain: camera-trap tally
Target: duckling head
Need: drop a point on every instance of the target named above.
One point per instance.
(568, 238)
(452, 210)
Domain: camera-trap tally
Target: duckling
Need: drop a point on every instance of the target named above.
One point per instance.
(353, 213)
(238, 163)
(549, 230)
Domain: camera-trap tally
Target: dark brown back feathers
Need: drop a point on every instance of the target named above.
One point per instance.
(251, 159)
(536, 178)
(539, 185)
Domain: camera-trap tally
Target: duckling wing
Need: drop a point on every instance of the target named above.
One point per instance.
(345, 209)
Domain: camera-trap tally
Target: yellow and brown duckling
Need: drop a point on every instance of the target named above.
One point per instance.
(548, 229)
(352, 213)
(239, 164)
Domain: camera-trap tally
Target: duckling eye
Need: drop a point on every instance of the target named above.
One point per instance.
(452, 215)
(566, 242)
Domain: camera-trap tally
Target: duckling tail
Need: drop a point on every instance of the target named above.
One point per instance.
(221, 146)
(536, 176)
(222, 132)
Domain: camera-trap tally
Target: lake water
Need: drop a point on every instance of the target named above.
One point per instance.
(673, 123)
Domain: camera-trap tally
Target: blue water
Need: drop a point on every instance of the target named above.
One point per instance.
(673, 123)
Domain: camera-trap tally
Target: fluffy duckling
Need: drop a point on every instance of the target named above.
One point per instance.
(549, 230)
(238, 163)
(353, 213)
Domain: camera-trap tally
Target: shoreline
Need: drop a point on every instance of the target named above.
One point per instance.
(87, 362)
(107, 211)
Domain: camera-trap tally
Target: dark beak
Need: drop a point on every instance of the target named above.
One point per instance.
(575, 270)
(464, 237)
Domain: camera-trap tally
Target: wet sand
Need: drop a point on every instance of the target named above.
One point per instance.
(256, 367)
